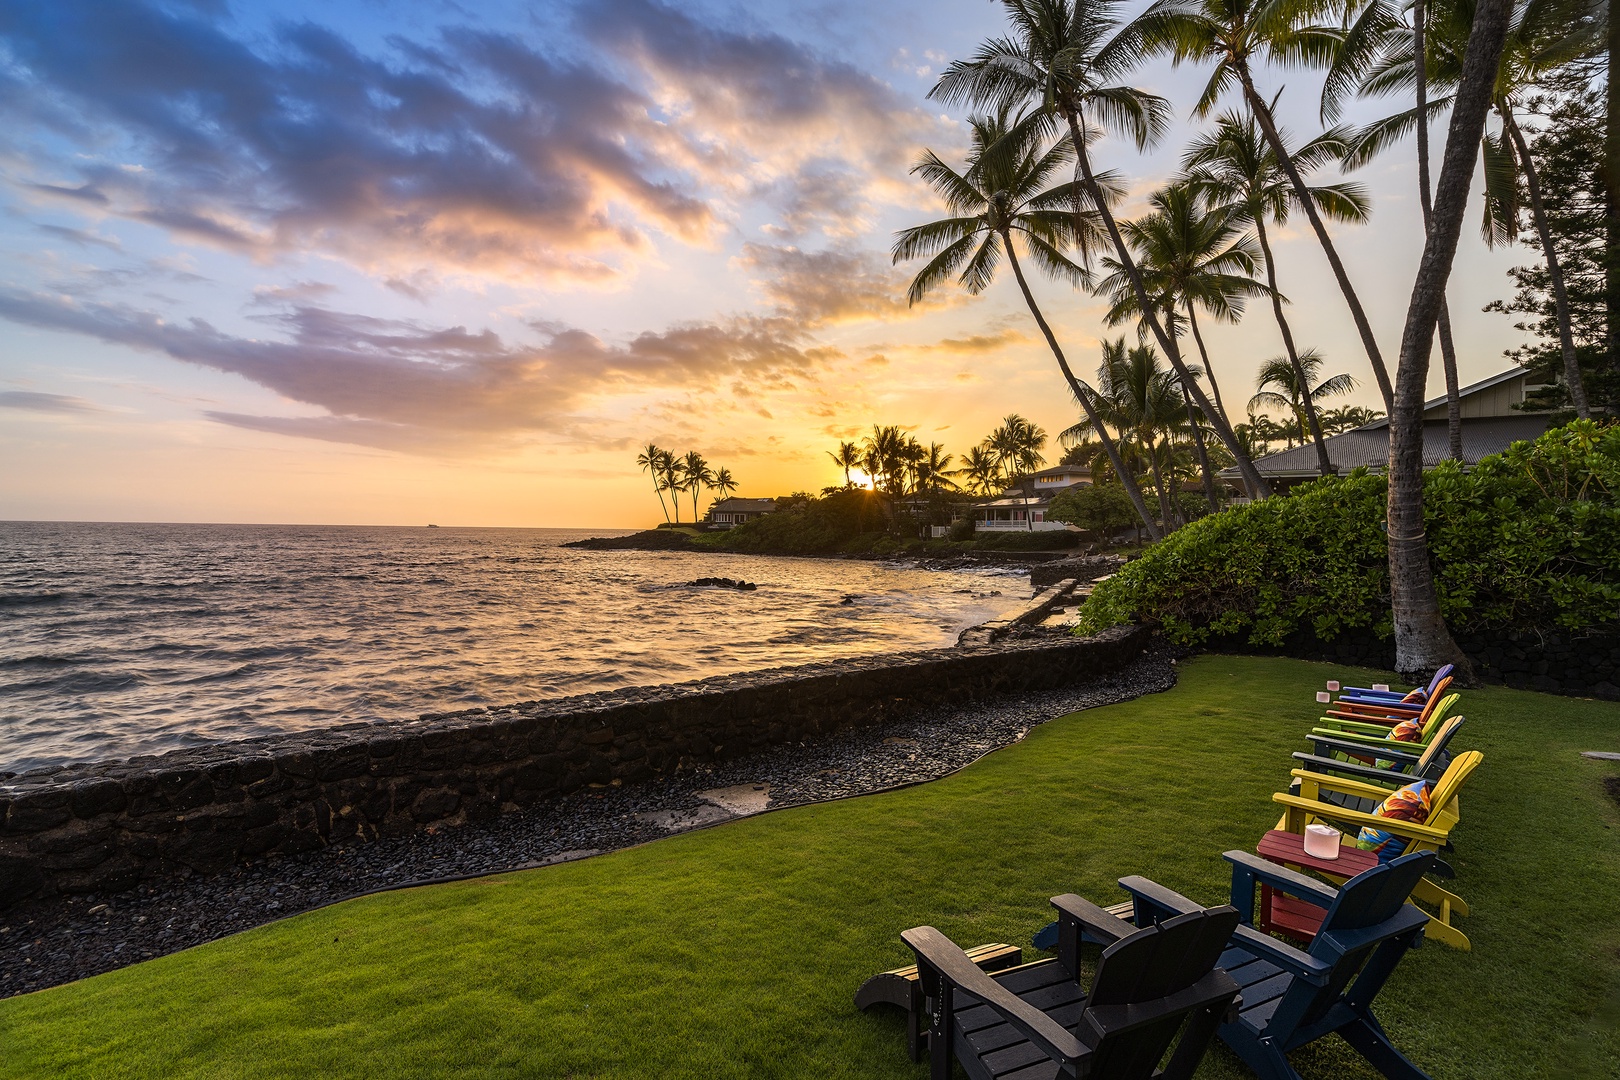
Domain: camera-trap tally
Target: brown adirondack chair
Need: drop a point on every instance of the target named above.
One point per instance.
(1037, 1022)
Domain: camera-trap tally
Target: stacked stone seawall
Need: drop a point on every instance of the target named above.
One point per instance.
(107, 827)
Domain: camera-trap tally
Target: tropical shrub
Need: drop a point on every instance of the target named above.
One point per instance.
(1100, 509)
(1530, 539)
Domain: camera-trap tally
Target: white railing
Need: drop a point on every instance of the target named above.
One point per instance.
(1018, 526)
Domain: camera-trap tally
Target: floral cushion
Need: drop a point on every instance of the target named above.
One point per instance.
(1410, 803)
(1405, 731)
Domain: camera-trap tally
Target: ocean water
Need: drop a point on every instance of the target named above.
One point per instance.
(125, 639)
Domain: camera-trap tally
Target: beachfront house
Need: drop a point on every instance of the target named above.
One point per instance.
(1490, 422)
(1023, 507)
(726, 513)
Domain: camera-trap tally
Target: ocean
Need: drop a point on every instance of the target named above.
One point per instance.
(126, 639)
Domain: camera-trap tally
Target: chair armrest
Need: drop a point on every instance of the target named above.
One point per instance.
(938, 952)
(1378, 708)
(1314, 764)
(1323, 744)
(1369, 692)
(1294, 961)
(1409, 829)
(1154, 902)
(1253, 869)
(1350, 729)
(1100, 923)
(1346, 786)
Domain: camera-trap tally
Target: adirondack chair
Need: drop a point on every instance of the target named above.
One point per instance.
(1394, 711)
(1375, 733)
(1307, 805)
(1402, 768)
(1037, 1021)
(1292, 997)
(1395, 697)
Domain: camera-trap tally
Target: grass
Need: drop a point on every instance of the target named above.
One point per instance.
(735, 951)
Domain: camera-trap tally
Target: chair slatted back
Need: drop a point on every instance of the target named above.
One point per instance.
(1436, 749)
(1443, 672)
(1435, 711)
(1447, 788)
(1164, 959)
(1371, 897)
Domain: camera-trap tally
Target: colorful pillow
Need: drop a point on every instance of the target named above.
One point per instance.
(1410, 803)
(1415, 697)
(1405, 731)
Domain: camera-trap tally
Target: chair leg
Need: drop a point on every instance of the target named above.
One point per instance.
(1261, 1055)
(1371, 1043)
(941, 1051)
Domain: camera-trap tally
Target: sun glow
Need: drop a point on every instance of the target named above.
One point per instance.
(860, 478)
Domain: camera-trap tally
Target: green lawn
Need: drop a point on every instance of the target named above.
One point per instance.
(735, 951)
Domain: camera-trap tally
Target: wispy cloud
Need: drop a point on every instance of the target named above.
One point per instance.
(33, 401)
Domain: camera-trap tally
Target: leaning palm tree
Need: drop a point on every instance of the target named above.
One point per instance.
(1060, 60)
(1542, 35)
(696, 476)
(1233, 167)
(846, 457)
(1001, 195)
(1279, 387)
(1231, 33)
(671, 473)
(651, 460)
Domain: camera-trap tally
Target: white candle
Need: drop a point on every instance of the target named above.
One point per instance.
(1333, 686)
(1323, 697)
(1384, 686)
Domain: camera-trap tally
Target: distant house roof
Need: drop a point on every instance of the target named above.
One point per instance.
(1058, 472)
(1495, 396)
(744, 506)
(1369, 446)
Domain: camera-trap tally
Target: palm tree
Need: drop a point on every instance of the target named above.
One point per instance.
(1000, 195)
(1541, 37)
(934, 473)
(696, 476)
(1195, 257)
(651, 460)
(1235, 168)
(724, 483)
(846, 457)
(1279, 387)
(1144, 399)
(1059, 60)
(669, 471)
(1347, 417)
(980, 470)
(1017, 446)
(1421, 637)
(1230, 33)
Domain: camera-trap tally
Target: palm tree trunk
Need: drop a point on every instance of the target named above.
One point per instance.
(1158, 483)
(1192, 418)
(1555, 273)
(1268, 126)
(1203, 354)
(1079, 389)
(1323, 463)
(1422, 641)
(1611, 200)
(1448, 348)
(658, 489)
(1251, 477)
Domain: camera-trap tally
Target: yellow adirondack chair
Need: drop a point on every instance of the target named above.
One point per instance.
(1300, 810)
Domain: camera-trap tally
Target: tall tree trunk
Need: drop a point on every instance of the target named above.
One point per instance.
(1422, 641)
(1158, 484)
(1323, 463)
(1079, 389)
(1611, 201)
(1192, 417)
(1448, 348)
(1203, 354)
(1555, 273)
(1302, 194)
(658, 489)
(1251, 477)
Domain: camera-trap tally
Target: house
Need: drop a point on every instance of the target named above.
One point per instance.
(1489, 424)
(1023, 508)
(728, 512)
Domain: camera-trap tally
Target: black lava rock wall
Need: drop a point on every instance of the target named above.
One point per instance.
(106, 827)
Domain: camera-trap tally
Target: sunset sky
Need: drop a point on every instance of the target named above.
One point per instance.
(389, 262)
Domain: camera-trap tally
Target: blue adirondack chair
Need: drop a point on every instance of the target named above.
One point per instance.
(1369, 696)
(1293, 997)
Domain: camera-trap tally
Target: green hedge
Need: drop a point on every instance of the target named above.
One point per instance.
(1530, 539)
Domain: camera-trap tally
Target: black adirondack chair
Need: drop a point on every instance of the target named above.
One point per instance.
(1292, 997)
(1036, 1022)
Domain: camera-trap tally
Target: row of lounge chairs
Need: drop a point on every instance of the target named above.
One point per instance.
(1172, 974)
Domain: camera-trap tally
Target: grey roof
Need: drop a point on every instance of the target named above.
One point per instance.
(1462, 392)
(1369, 446)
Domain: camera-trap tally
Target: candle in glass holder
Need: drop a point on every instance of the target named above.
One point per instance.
(1384, 686)
(1333, 686)
(1323, 697)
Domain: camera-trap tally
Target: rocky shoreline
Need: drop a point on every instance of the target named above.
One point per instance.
(50, 942)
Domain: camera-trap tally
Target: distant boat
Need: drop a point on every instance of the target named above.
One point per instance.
(433, 526)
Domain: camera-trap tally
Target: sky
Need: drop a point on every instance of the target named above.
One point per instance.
(388, 262)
